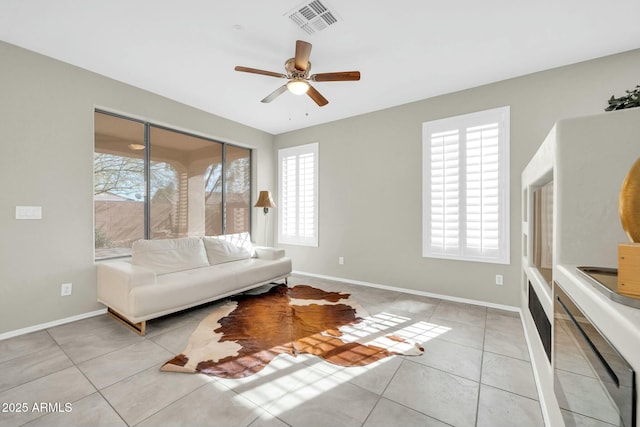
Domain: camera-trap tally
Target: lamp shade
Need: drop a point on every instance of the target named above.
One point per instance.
(298, 86)
(265, 200)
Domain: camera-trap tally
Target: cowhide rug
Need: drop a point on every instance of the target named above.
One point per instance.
(242, 336)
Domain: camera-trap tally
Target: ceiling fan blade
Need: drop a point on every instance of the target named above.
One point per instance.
(317, 97)
(263, 72)
(276, 93)
(342, 76)
(303, 50)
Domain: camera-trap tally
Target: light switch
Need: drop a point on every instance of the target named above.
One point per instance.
(28, 212)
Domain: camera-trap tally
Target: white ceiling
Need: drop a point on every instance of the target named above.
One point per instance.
(406, 50)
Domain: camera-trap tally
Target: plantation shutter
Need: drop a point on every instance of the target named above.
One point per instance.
(445, 192)
(465, 187)
(298, 195)
(483, 187)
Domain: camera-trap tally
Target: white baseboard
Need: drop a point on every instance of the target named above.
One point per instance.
(47, 325)
(412, 291)
(59, 322)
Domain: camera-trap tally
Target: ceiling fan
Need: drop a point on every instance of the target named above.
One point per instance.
(297, 69)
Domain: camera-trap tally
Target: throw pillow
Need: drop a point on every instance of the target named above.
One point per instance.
(220, 250)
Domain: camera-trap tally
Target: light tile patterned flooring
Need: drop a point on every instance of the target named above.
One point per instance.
(475, 372)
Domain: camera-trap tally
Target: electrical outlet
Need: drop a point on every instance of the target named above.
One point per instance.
(499, 279)
(65, 289)
(341, 260)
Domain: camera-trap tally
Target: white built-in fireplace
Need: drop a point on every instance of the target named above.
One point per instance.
(584, 345)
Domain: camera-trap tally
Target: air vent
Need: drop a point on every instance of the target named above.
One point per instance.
(313, 16)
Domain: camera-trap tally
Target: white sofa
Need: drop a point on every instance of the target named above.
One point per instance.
(165, 276)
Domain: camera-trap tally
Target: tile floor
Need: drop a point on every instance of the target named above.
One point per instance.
(475, 372)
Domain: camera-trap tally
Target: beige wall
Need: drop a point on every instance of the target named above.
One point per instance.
(46, 155)
(370, 178)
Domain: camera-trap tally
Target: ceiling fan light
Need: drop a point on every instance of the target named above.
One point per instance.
(298, 86)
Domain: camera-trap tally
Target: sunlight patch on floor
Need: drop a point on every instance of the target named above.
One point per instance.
(376, 330)
(288, 381)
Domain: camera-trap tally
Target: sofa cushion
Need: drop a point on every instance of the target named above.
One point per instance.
(220, 250)
(256, 270)
(182, 289)
(170, 255)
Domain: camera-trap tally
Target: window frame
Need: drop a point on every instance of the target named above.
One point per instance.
(462, 124)
(298, 151)
(147, 171)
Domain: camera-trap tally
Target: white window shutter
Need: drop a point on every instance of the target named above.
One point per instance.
(483, 187)
(288, 196)
(466, 187)
(298, 195)
(445, 190)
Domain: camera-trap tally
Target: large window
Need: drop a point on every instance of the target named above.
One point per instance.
(298, 195)
(153, 182)
(466, 187)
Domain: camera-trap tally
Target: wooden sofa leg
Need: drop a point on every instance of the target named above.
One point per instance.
(139, 328)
